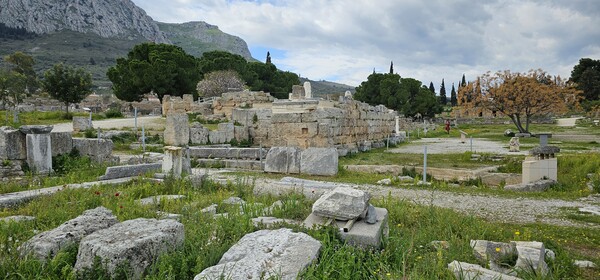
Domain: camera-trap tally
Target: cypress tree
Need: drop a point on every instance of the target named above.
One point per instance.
(268, 58)
(431, 88)
(453, 100)
(443, 100)
(463, 82)
(391, 67)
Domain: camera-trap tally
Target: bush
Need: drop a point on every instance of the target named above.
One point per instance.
(90, 133)
(65, 163)
(113, 113)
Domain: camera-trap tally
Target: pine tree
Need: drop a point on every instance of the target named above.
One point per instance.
(443, 100)
(431, 88)
(268, 57)
(392, 67)
(453, 100)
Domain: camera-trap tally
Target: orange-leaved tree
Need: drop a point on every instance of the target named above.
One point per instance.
(520, 95)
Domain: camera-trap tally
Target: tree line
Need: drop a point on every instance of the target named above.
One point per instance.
(169, 70)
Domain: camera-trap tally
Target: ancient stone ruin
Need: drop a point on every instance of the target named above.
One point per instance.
(360, 223)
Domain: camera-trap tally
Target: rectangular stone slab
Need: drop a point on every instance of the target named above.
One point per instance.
(361, 234)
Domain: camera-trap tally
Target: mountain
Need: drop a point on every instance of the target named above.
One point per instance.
(106, 18)
(93, 33)
(326, 89)
(197, 37)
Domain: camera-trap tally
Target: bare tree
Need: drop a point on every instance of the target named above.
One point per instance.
(218, 82)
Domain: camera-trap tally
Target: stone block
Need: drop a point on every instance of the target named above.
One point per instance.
(156, 200)
(137, 243)
(48, 243)
(97, 149)
(272, 221)
(198, 134)
(531, 257)
(228, 129)
(362, 234)
(241, 133)
(123, 171)
(538, 169)
(266, 254)
(469, 271)
(319, 161)
(343, 203)
(12, 144)
(81, 124)
(537, 186)
(283, 160)
(39, 147)
(61, 143)
(286, 118)
(177, 130)
(173, 161)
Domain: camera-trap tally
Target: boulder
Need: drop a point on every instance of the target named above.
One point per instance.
(265, 254)
(319, 161)
(48, 243)
(137, 243)
(343, 203)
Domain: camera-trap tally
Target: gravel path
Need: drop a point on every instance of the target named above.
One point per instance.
(489, 207)
(454, 145)
(148, 122)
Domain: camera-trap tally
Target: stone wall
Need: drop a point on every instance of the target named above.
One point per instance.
(242, 99)
(312, 123)
(223, 105)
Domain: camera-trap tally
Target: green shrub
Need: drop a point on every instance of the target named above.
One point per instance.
(90, 133)
(113, 113)
(65, 163)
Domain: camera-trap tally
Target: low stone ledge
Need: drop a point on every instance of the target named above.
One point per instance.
(122, 171)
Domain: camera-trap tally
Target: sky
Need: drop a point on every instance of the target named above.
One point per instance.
(429, 40)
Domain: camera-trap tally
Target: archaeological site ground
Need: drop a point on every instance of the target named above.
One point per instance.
(247, 186)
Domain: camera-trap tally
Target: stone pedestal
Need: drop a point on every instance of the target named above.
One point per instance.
(538, 169)
(39, 150)
(173, 161)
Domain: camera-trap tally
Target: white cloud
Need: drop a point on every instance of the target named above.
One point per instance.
(427, 40)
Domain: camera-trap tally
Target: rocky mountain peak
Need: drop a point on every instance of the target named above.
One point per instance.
(107, 18)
